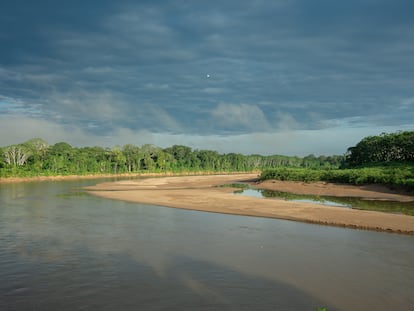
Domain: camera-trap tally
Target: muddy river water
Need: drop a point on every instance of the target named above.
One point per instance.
(62, 249)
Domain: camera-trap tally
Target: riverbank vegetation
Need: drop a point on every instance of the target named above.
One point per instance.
(384, 159)
(37, 158)
(398, 174)
(385, 148)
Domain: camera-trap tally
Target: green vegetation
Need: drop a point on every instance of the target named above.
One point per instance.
(36, 158)
(384, 159)
(394, 147)
(397, 175)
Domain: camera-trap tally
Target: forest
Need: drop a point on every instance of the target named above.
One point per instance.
(383, 159)
(386, 158)
(36, 157)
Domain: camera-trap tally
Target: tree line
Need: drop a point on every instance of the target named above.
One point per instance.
(393, 147)
(36, 157)
(383, 159)
(394, 175)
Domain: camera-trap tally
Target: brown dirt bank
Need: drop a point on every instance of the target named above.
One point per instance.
(199, 193)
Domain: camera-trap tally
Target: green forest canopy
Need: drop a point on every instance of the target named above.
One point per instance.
(36, 157)
(384, 159)
(394, 147)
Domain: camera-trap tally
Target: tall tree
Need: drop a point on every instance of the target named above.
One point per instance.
(132, 157)
(59, 158)
(16, 155)
(38, 149)
(383, 148)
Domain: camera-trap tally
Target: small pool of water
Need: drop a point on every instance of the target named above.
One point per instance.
(323, 202)
(346, 202)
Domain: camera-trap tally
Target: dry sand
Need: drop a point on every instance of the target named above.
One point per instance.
(199, 193)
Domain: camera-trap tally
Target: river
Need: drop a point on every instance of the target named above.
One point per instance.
(63, 249)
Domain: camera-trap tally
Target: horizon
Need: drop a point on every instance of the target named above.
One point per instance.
(287, 78)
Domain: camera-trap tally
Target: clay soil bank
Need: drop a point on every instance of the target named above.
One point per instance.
(201, 193)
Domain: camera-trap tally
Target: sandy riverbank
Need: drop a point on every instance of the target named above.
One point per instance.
(7, 180)
(199, 193)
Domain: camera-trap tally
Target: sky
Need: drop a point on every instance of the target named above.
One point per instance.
(290, 77)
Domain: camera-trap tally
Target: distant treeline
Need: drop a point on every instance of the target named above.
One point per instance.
(384, 159)
(36, 157)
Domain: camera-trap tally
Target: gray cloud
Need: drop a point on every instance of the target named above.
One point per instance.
(243, 116)
(208, 69)
(291, 142)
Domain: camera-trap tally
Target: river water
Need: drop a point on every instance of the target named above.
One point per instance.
(62, 249)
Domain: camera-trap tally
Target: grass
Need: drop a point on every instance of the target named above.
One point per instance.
(393, 175)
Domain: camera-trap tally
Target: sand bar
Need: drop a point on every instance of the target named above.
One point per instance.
(199, 193)
(9, 180)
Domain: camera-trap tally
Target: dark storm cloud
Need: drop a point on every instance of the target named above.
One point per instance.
(208, 68)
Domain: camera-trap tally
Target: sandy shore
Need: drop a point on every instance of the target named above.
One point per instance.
(199, 193)
(8, 180)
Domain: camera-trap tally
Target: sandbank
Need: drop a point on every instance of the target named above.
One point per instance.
(9, 180)
(200, 193)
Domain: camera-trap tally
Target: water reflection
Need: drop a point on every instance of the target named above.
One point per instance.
(120, 282)
(347, 202)
(62, 250)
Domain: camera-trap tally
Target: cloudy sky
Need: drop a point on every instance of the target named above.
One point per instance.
(290, 77)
